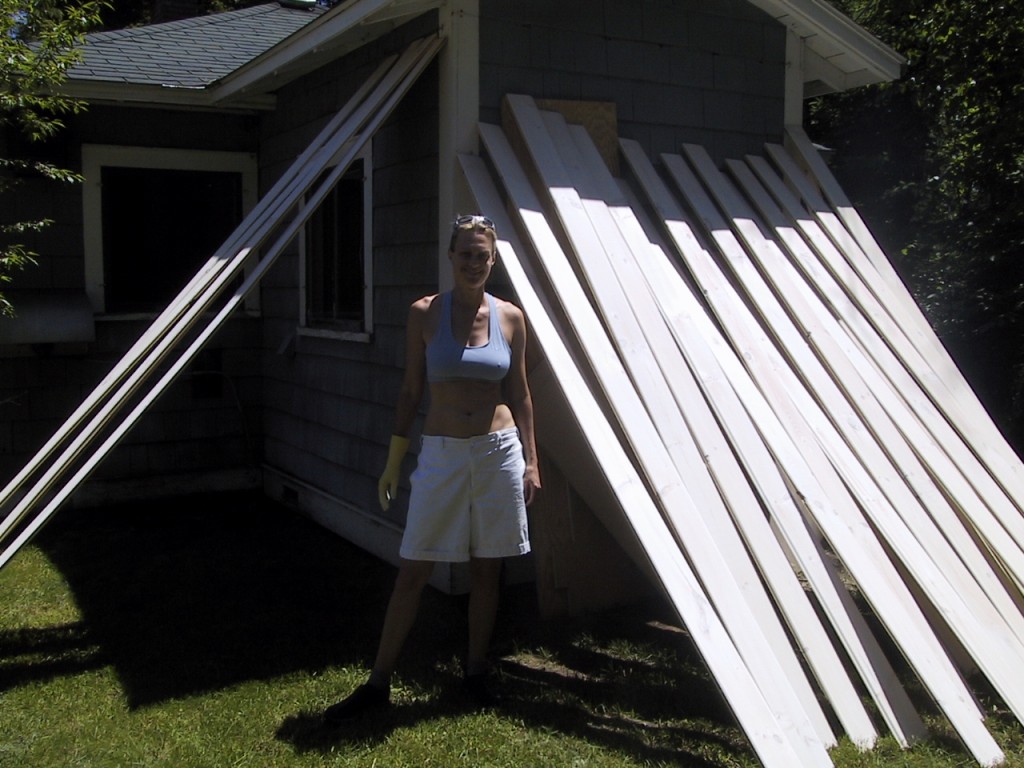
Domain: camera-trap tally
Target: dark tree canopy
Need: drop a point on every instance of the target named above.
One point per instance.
(936, 162)
(131, 13)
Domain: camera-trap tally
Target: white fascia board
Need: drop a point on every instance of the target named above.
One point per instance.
(345, 28)
(127, 94)
(811, 19)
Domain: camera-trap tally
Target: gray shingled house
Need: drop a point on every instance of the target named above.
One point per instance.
(727, 373)
(191, 121)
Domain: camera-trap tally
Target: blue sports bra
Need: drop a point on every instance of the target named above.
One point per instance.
(447, 360)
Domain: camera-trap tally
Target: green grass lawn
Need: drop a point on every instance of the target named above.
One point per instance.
(212, 631)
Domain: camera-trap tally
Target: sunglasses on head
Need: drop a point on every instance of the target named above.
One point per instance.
(473, 220)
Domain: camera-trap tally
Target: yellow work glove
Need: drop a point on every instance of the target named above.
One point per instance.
(387, 486)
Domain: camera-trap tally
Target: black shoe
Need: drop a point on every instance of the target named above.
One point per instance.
(366, 698)
(480, 690)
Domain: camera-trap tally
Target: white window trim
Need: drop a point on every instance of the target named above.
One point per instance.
(96, 156)
(365, 335)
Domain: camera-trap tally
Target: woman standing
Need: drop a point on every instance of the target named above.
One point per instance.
(477, 469)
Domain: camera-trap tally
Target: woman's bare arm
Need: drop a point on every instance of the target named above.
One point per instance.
(520, 399)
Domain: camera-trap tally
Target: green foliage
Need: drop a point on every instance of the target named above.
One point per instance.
(38, 44)
(945, 146)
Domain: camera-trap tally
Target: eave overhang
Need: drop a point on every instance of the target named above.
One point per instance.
(838, 53)
(347, 28)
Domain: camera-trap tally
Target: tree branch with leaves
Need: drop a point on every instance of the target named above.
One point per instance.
(40, 40)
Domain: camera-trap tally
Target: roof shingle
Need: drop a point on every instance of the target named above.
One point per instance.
(189, 53)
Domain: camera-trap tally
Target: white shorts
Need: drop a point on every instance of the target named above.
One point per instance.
(467, 499)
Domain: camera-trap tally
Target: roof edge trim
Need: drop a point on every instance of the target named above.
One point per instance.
(319, 33)
(815, 17)
(113, 92)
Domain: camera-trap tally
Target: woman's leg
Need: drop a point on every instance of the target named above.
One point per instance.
(401, 615)
(484, 590)
(403, 606)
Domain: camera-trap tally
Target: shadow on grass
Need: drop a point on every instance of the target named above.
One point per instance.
(192, 596)
(574, 676)
(34, 655)
(196, 595)
(307, 732)
(589, 714)
(626, 680)
(662, 743)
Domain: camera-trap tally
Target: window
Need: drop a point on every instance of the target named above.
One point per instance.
(153, 217)
(336, 258)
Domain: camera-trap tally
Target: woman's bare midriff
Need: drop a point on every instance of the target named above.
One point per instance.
(466, 409)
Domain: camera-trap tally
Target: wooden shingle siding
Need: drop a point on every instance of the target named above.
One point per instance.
(207, 421)
(193, 429)
(330, 402)
(186, 432)
(689, 71)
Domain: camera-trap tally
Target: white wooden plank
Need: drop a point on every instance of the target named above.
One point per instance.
(839, 209)
(600, 193)
(903, 363)
(839, 203)
(730, 672)
(220, 258)
(966, 411)
(366, 119)
(681, 415)
(244, 236)
(868, 562)
(844, 372)
(950, 462)
(966, 605)
(732, 394)
(709, 539)
(843, 614)
(857, 260)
